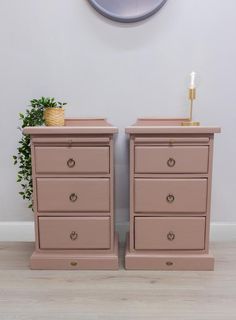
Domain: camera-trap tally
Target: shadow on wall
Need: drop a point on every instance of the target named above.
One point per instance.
(124, 35)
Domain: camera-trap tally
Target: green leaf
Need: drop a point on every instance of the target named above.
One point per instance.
(33, 116)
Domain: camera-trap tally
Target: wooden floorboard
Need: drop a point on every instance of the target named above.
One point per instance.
(118, 295)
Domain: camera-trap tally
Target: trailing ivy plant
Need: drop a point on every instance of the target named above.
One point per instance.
(33, 116)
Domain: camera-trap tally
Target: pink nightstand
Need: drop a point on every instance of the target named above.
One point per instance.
(73, 176)
(170, 195)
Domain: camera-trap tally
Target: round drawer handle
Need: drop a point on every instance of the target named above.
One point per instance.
(71, 163)
(169, 263)
(171, 162)
(73, 197)
(73, 235)
(171, 236)
(170, 198)
(73, 263)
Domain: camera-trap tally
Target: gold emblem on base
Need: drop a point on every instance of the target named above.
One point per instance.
(190, 123)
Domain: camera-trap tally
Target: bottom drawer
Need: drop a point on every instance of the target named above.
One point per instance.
(159, 233)
(74, 232)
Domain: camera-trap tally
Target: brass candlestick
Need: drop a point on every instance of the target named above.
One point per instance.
(192, 97)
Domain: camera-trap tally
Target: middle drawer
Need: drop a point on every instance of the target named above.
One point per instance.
(170, 195)
(73, 194)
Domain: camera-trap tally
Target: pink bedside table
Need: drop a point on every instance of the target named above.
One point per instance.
(73, 176)
(170, 195)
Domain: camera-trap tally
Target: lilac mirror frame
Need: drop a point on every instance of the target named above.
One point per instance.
(127, 10)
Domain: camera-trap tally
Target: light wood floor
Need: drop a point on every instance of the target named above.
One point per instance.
(118, 295)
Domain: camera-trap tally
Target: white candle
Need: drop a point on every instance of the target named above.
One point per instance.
(192, 82)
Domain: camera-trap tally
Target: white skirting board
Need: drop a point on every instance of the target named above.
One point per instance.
(24, 231)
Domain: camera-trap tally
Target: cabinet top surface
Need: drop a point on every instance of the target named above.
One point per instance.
(162, 126)
(75, 126)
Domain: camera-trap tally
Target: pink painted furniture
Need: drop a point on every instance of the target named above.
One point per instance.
(170, 195)
(73, 176)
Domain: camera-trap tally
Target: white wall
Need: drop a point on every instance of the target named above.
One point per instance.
(65, 49)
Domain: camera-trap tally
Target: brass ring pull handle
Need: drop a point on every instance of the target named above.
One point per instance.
(170, 198)
(171, 236)
(73, 197)
(73, 235)
(71, 163)
(171, 162)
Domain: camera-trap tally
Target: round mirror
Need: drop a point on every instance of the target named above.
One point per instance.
(127, 10)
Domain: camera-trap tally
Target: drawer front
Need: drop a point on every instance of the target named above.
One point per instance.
(74, 233)
(170, 195)
(186, 159)
(72, 160)
(73, 194)
(160, 233)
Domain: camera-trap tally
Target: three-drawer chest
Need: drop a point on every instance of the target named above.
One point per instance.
(73, 187)
(170, 195)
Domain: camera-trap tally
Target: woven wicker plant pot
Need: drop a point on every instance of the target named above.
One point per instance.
(54, 117)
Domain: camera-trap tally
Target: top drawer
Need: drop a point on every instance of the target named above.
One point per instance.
(72, 159)
(171, 159)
